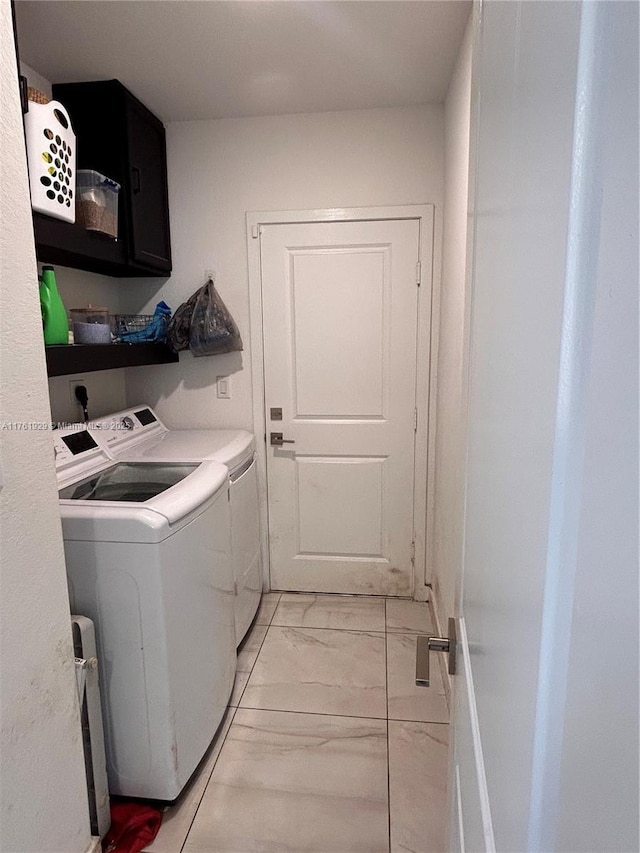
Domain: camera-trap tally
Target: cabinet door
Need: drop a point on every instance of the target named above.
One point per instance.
(148, 197)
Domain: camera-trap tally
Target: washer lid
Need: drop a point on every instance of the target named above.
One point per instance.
(134, 482)
(139, 502)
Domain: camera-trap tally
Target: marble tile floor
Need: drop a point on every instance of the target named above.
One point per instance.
(327, 745)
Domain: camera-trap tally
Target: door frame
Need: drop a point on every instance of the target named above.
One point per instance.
(426, 356)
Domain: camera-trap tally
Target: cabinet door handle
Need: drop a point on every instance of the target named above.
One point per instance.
(24, 93)
(135, 180)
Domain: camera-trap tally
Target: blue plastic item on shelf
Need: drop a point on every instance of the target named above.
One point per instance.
(154, 332)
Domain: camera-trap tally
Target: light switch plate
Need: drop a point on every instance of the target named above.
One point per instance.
(223, 387)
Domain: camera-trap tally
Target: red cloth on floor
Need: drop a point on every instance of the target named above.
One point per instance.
(133, 827)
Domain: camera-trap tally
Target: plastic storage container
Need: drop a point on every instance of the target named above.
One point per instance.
(51, 151)
(91, 325)
(98, 202)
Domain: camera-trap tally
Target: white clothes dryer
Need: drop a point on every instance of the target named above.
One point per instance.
(148, 558)
(138, 434)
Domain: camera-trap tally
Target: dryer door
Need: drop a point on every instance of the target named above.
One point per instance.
(245, 547)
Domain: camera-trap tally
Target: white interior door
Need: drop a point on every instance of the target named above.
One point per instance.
(340, 315)
(545, 712)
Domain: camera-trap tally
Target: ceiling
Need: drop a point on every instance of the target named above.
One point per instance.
(204, 59)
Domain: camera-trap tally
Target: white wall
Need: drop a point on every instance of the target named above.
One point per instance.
(105, 388)
(36, 80)
(43, 802)
(79, 289)
(452, 340)
(219, 170)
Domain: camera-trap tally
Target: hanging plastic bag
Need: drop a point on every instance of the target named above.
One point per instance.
(213, 329)
(180, 324)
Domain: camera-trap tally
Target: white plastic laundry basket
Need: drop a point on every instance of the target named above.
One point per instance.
(51, 152)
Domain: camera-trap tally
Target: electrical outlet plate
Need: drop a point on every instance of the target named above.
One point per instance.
(73, 384)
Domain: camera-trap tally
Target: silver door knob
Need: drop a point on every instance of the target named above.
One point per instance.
(424, 645)
(276, 439)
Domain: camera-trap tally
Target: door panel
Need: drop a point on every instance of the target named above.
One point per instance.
(340, 329)
(330, 289)
(546, 756)
(341, 504)
(525, 130)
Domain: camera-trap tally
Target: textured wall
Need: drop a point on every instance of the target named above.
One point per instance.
(43, 805)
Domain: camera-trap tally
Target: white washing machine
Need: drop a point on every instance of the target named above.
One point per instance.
(148, 557)
(139, 434)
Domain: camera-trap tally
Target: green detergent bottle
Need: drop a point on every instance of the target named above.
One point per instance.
(54, 314)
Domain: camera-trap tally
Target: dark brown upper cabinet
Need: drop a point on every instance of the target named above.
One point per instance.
(119, 137)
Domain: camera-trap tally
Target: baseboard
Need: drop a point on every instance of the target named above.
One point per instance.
(422, 592)
(95, 846)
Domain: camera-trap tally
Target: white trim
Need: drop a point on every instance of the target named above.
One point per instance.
(459, 822)
(431, 387)
(481, 778)
(426, 355)
(257, 386)
(434, 608)
(426, 358)
(95, 846)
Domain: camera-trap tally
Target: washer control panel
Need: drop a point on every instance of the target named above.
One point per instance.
(123, 430)
(77, 454)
